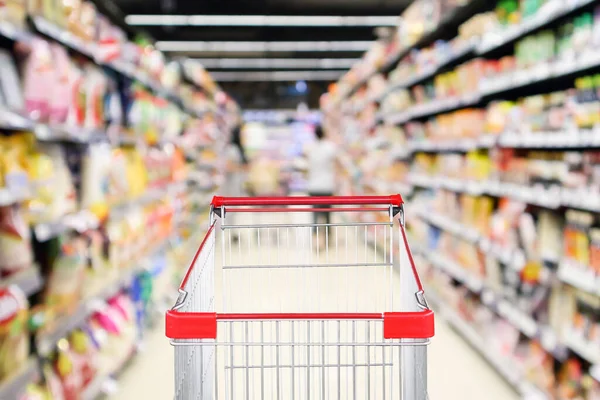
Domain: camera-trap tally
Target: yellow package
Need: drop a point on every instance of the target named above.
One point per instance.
(14, 154)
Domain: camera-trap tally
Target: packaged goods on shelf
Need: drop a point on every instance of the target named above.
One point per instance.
(99, 139)
(423, 17)
(498, 128)
(547, 319)
(14, 338)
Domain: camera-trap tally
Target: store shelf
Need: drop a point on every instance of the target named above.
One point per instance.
(29, 280)
(361, 82)
(98, 387)
(47, 133)
(452, 19)
(587, 350)
(459, 145)
(79, 221)
(514, 258)
(12, 196)
(595, 372)
(449, 225)
(509, 372)
(502, 307)
(68, 39)
(538, 74)
(576, 139)
(431, 71)
(548, 14)
(90, 50)
(552, 197)
(582, 278)
(583, 138)
(473, 282)
(491, 88)
(47, 339)
(12, 32)
(15, 386)
(12, 121)
(85, 220)
(432, 108)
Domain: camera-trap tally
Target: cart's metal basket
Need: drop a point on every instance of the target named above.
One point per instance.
(300, 309)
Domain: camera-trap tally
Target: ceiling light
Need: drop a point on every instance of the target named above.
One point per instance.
(258, 20)
(219, 47)
(277, 76)
(277, 63)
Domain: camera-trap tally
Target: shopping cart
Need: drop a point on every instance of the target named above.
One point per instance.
(297, 310)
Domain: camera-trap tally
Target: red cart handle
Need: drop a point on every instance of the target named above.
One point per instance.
(393, 200)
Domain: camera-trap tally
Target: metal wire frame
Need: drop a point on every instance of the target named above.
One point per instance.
(296, 259)
(303, 359)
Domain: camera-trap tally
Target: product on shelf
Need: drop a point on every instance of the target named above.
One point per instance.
(16, 253)
(14, 333)
(97, 132)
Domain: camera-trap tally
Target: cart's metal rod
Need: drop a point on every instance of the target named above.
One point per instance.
(347, 265)
(424, 342)
(262, 361)
(354, 361)
(339, 357)
(383, 374)
(231, 356)
(247, 362)
(368, 370)
(293, 326)
(277, 356)
(269, 366)
(305, 225)
(308, 348)
(323, 361)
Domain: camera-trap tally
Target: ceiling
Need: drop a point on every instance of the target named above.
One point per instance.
(175, 39)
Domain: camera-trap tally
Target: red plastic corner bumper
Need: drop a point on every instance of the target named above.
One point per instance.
(191, 325)
(408, 325)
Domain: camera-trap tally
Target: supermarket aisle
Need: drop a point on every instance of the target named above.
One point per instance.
(456, 372)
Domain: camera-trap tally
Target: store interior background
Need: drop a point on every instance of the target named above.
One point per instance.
(115, 117)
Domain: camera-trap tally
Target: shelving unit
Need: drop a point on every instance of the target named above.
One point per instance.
(507, 371)
(116, 232)
(14, 387)
(439, 110)
(504, 308)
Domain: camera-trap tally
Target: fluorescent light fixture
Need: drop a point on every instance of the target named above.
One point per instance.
(277, 63)
(258, 20)
(277, 76)
(242, 47)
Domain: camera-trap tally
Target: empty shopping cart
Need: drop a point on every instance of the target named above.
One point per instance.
(275, 306)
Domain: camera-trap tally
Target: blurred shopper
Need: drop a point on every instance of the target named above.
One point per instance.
(322, 156)
(237, 164)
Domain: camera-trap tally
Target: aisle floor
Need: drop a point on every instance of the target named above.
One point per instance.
(455, 370)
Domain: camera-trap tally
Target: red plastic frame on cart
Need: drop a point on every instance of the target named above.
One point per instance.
(396, 325)
(393, 200)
